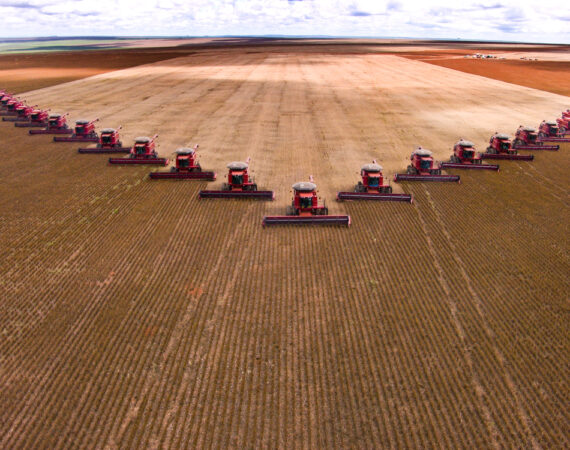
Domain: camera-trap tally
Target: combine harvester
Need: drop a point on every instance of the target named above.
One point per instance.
(23, 113)
(465, 157)
(143, 152)
(109, 142)
(548, 131)
(84, 131)
(38, 118)
(305, 209)
(4, 99)
(10, 106)
(56, 124)
(239, 185)
(500, 148)
(186, 167)
(372, 188)
(526, 138)
(564, 123)
(422, 169)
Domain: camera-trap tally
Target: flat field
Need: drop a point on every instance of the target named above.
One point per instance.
(135, 315)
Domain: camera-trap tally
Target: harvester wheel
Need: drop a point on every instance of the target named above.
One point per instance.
(562, 130)
(541, 135)
(173, 169)
(412, 170)
(518, 142)
(491, 150)
(226, 187)
(325, 211)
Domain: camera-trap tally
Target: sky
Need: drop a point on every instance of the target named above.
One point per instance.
(505, 20)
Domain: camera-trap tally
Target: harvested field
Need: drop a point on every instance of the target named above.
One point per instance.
(135, 315)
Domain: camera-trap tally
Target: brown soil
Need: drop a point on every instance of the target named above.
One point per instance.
(135, 315)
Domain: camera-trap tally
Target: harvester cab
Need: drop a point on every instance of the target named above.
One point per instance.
(372, 179)
(144, 147)
(238, 177)
(422, 163)
(563, 123)
(57, 121)
(85, 128)
(13, 104)
(464, 153)
(525, 136)
(110, 138)
(548, 129)
(186, 160)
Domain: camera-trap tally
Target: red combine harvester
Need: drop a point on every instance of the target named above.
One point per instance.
(109, 142)
(564, 123)
(422, 169)
(465, 157)
(38, 118)
(143, 152)
(239, 185)
(526, 138)
(57, 124)
(84, 131)
(372, 188)
(186, 167)
(548, 132)
(4, 99)
(305, 209)
(500, 148)
(23, 114)
(10, 107)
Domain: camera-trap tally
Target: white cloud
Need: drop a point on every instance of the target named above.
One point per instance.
(474, 19)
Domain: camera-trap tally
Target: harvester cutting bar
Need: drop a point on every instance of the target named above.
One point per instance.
(551, 148)
(76, 139)
(507, 156)
(555, 139)
(57, 131)
(209, 176)
(409, 177)
(262, 195)
(128, 161)
(8, 113)
(15, 119)
(374, 196)
(469, 166)
(306, 220)
(30, 124)
(105, 150)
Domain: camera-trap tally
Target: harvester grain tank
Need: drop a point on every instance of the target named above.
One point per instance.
(109, 142)
(239, 185)
(465, 157)
(305, 209)
(422, 169)
(57, 124)
(84, 131)
(186, 167)
(372, 187)
(526, 138)
(38, 118)
(142, 152)
(23, 113)
(500, 148)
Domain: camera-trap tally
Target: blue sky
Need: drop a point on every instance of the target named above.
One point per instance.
(523, 20)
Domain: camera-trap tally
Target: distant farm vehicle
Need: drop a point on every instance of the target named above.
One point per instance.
(465, 157)
(38, 118)
(109, 142)
(84, 131)
(526, 138)
(142, 152)
(305, 209)
(23, 113)
(372, 187)
(186, 167)
(239, 185)
(500, 148)
(422, 169)
(57, 124)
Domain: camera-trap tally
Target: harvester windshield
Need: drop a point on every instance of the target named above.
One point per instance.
(54, 121)
(106, 138)
(237, 179)
(183, 162)
(140, 149)
(468, 154)
(35, 116)
(306, 202)
(79, 129)
(374, 181)
(425, 163)
(505, 146)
